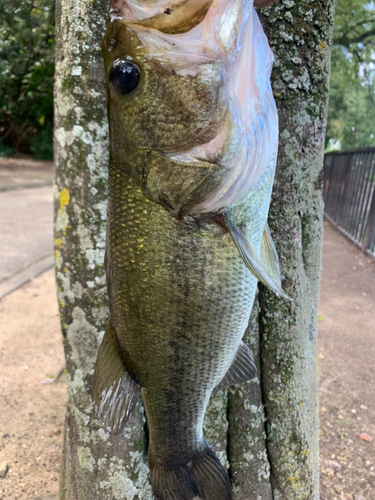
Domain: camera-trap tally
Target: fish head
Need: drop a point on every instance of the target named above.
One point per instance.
(191, 110)
(152, 99)
(162, 101)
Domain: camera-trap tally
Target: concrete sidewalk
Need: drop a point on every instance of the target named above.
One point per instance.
(22, 174)
(26, 221)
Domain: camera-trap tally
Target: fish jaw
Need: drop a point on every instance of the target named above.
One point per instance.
(252, 140)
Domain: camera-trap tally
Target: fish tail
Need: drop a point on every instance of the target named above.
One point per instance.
(201, 478)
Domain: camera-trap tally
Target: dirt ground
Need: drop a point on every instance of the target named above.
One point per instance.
(347, 370)
(32, 411)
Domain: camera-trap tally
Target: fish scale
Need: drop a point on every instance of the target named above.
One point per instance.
(181, 297)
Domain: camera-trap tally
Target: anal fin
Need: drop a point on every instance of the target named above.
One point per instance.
(115, 392)
(241, 370)
(266, 272)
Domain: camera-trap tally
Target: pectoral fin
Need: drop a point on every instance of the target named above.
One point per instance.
(242, 368)
(115, 392)
(266, 272)
(269, 257)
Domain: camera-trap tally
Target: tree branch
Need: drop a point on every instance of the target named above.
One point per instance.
(346, 42)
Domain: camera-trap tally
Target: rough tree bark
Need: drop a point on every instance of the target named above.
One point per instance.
(266, 431)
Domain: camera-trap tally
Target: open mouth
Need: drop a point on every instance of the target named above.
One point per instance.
(228, 51)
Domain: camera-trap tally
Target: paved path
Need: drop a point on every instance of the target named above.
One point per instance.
(26, 222)
(347, 370)
(18, 174)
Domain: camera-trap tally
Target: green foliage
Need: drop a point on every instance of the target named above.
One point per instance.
(26, 76)
(351, 115)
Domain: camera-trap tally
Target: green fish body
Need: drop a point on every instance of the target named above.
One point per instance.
(181, 273)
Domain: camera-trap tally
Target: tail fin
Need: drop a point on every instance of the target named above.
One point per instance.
(202, 478)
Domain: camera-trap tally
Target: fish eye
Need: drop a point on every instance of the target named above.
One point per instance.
(124, 76)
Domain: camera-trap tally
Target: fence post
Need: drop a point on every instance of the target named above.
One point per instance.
(325, 170)
(369, 225)
(325, 198)
(343, 188)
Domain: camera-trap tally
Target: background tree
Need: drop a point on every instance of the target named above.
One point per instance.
(351, 117)
(26, 77)
(278, 461)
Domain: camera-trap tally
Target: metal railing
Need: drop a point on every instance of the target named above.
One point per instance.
(349, 195)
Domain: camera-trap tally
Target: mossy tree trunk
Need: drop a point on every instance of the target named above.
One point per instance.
(266, 431)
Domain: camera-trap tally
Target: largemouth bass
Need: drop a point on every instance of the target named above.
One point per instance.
(193, 138)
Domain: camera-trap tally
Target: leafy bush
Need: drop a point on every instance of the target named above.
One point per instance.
(26, 76)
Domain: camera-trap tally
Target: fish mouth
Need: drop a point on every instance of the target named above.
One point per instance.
(172, 17)
(236, 138)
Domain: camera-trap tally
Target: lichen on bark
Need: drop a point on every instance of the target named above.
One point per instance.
(249, 463)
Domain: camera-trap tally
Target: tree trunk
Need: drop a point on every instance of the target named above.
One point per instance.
(272, 461)
(300, 34)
